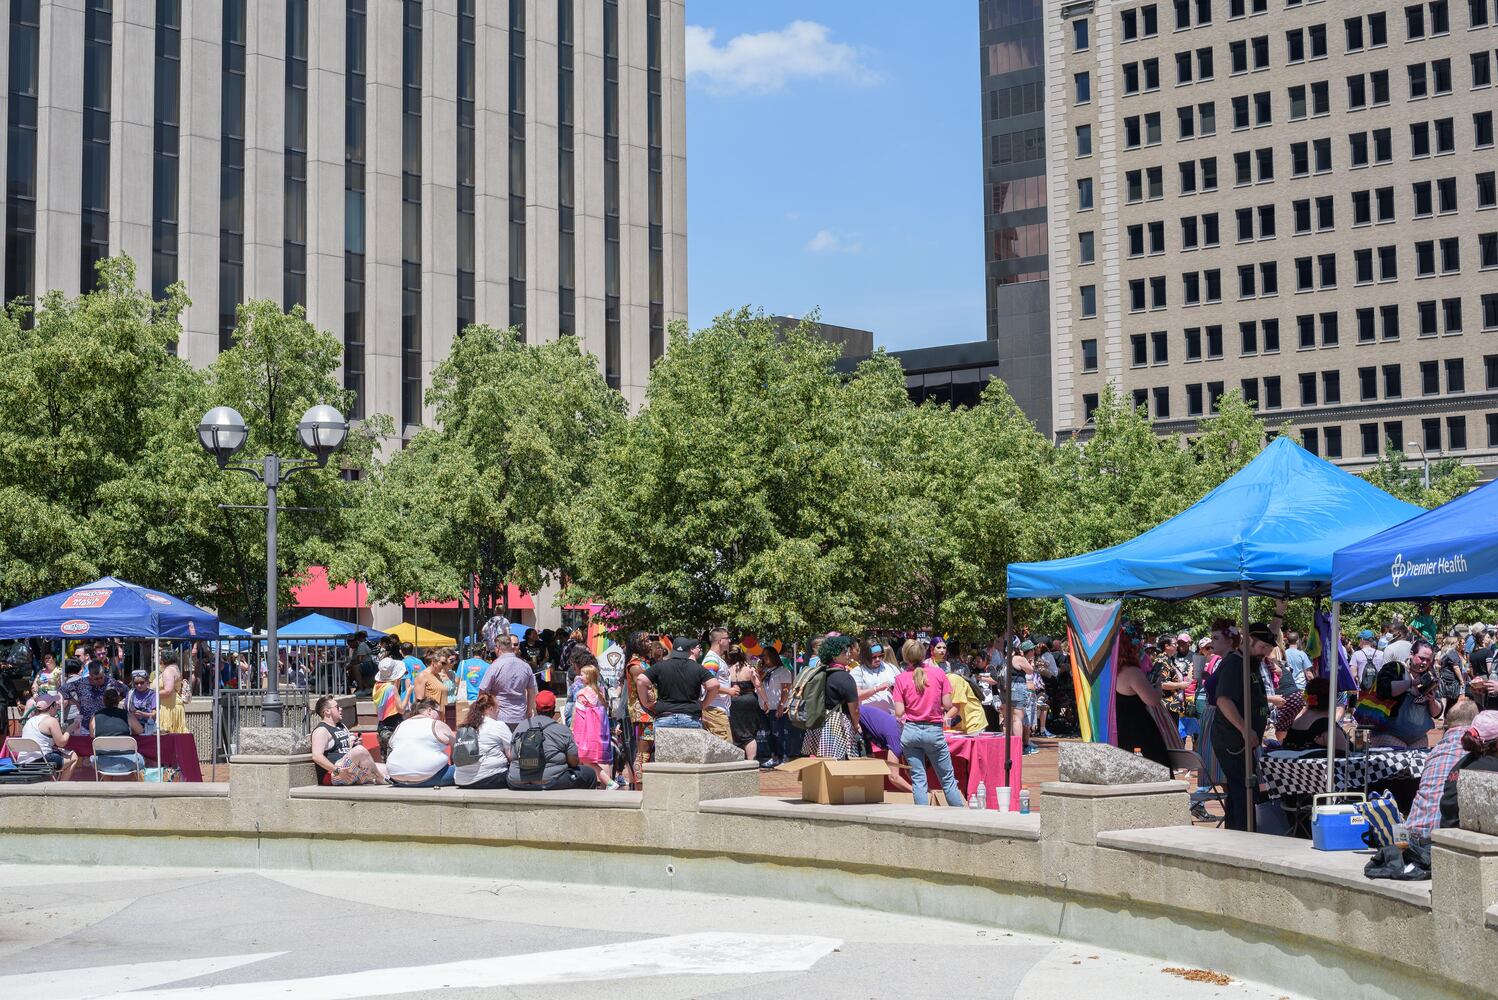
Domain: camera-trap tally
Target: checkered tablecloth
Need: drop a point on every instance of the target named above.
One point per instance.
(1284, 774)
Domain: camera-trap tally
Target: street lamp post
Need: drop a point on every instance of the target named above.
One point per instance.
(1425, 464)
(222, 432)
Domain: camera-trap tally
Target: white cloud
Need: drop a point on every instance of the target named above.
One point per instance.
(826, 241)
(767, 61)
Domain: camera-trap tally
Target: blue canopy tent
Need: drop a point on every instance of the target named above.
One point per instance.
(1270, 529)
(316, 630)
(108, 608)
(1449, 552)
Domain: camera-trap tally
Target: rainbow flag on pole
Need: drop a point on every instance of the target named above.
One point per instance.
(1092, 632)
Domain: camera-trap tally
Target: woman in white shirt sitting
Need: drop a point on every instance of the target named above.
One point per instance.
(418, 749)
(494, 746)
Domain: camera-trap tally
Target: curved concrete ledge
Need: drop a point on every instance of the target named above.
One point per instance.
(1118, 868)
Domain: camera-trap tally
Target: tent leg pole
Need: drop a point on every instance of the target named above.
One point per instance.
(1006, 699)
(160, 676)
(1333, 659)
(1250, 785)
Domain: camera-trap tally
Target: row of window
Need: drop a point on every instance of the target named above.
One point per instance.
(1197, 176)
(1435, 317)
(1421, 20)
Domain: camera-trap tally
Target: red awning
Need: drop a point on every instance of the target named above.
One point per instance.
(519, 601)
(316, 592)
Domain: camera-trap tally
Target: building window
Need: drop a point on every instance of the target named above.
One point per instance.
(657, 180)
(1086, 248)
(1307, 388)
(294, 164)
(518, 179)
(411, 250)
(1310, 440)
(1369, 434)
(1084, 140)
(1089, 355)
(1084, 191)
(1393, 386)
(1456, 375)
(1079, 35)
(1194, 402)
(1430, 431)
(1331, 387)
(20, 200)
(1332, 440)
(166, 139)
(467, 157)
(612, 351)
(1083, 84)
(231, 172)
(98, 34)
(1089, 301)
(1456, 433)
(355, 76)
(1162, 402)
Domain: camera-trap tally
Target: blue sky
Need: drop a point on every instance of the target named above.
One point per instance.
(833, 161)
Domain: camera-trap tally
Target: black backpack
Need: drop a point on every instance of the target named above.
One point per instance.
(530, 752)
(466, 746)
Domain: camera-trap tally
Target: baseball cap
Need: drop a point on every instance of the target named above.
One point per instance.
(1184, 637)
(1367, 633)
(546, 702)
(1205, 640)
(1479, 627)
(44, 700)
(1261, 632)
(1027, 645)
(1485, 726)
(685, 643)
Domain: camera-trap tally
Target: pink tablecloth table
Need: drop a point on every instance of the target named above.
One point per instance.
(178, 750)
(980, 758)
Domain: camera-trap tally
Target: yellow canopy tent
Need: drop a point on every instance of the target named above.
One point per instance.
(421, 638)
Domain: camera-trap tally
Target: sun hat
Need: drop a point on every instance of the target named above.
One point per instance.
(390, 670)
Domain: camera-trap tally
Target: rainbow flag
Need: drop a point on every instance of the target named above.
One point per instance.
(1092, 632)
(386, 701)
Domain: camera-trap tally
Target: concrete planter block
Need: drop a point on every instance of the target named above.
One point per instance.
(693, 746)
(681, 787)
(1477, 800)
(260, 741)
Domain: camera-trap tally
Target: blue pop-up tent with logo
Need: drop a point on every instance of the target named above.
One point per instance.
(1445, 553)
(108, 608)
(1270, 529)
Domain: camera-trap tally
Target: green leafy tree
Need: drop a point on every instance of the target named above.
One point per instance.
(489, 491)
(747, 491)
(1396, 474)
(973, 485)
(80, 381)
(178, 522)
(1227, 440)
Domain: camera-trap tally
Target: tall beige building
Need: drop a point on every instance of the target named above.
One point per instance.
(400, 167)
(1294, 199)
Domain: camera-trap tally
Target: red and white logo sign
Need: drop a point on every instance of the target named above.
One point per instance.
(159, 599)
(74, 626)
(87, 599)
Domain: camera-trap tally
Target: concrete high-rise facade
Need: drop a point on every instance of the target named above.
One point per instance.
(1290, 198)
(401, 168)
(1012, 54)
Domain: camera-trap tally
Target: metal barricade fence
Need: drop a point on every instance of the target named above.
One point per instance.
(235, 708)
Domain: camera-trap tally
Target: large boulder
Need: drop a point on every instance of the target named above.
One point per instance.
(693, 746)
(1477, 800)
(262, 741)
(1102, 764)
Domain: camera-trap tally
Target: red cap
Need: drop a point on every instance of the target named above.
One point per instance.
(546, 702)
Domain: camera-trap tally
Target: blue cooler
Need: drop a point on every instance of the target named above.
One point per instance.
(1336, 824)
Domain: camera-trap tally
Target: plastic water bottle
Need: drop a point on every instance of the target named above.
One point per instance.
(982, 797)
(1024, 802)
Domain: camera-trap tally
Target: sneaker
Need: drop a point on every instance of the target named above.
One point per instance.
(1031, 749)
(1199, 811)
(1047, 734)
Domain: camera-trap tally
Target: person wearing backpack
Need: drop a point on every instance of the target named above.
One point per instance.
(481, 750)
(543, 754)
(835, 734)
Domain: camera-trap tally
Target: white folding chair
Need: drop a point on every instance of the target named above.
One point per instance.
(20, 747)
(115, 756)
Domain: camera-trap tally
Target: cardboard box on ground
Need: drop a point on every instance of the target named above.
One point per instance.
(839, 782)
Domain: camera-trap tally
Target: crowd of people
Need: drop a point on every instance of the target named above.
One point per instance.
(97, 690)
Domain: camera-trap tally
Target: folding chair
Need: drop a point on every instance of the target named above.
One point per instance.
(19, 747)
(115, 756)
(1190, 760)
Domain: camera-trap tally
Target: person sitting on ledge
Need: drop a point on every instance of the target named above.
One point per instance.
(490, 770)
(418, 754)
(342, 758)
(1480, 741)
(543, 755)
